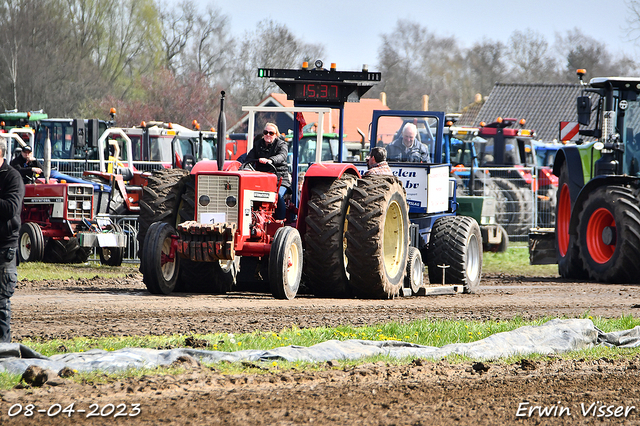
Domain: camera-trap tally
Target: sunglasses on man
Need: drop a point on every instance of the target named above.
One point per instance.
(266, 132)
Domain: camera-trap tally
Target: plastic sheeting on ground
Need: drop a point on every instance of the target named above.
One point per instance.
(555, 336)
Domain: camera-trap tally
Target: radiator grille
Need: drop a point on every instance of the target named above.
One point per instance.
(79, 202)
(218, 189)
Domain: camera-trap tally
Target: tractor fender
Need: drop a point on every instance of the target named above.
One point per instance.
(570, 156)
(319, 171)
(592, 185)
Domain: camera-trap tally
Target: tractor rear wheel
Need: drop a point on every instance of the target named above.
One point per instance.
(112, 256)
(65, 251)
(160, 270)
(415, 271)
(567, 247)
(377, 237)
(455, 244)
(30, 243)
(324, 260)
(285, 263)
(160, 199)
(609, 235)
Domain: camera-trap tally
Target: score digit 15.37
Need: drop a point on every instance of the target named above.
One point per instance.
(318, 92)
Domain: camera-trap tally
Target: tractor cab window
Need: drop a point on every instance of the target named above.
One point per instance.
(160, 149)
(209, 148)
(307, 148)
(409, 140)
(631, 138)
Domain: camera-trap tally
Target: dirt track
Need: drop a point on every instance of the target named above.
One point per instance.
(421, 393)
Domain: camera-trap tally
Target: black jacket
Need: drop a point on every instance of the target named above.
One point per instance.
(11, 196)
(276, 152)
(25, 167)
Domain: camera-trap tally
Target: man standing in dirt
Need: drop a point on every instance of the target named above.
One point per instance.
(11, 196)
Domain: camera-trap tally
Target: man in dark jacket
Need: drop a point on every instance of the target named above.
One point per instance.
(11, 196)
(269, 152)
(27, 165)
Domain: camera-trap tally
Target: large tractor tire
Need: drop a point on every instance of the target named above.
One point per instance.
(285, 263)
(65, 251)
(160, 199)
(160, 270)
(455, 247)
(324, 261)
(609, 235)
(514, 207)
(30, 243)
(377, 237)
(202, 277)
(112, 256)
(567, 247)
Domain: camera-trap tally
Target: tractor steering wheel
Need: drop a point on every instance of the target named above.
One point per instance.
(247, 165)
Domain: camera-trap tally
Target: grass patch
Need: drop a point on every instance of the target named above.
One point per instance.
(423, 332)
(515, 261)
(54, 271)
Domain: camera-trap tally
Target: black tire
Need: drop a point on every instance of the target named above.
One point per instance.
(112, 256)
(567, 247)
(415, 271)
(158, 277)
(609, 235)
(324, 261)
(30, 243)
(547, 200)
(514, 207)
(377, 237)
(202, 277)
(455, 242)
(160, 199)
(285, 263)
(65, 251)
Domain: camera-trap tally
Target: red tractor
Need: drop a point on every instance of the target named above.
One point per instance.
(58, 221)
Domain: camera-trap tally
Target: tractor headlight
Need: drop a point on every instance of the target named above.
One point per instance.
(231, 201)
(204, 200)
(72, 205)
(86, 205)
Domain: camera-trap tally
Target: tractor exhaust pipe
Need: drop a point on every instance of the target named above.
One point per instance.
(47, 159)
(222, 132)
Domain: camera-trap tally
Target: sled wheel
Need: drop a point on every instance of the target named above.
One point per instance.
(455, 242)
(31, 243)
(324, 261)
(377, 237)
(285, 263)
(160, 271)
(112, 256)
(415, 271)
(609, 234)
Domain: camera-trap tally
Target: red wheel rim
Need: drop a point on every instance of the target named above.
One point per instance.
(598, 250)
(562, 220)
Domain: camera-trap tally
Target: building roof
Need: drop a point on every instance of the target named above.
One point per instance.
(543, 106)
(357, 115)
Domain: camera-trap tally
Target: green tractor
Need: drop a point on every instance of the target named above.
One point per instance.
(597, 233)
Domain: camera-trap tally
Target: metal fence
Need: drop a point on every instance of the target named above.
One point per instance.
(130, 227)
(76, 167)
(520, 203)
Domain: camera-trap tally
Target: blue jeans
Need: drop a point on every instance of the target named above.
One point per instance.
(8, 280)
(281, 209)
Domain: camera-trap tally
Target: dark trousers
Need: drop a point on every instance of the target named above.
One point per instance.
(8, 280)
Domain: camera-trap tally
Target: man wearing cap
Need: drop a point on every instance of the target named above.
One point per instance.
(27, 165)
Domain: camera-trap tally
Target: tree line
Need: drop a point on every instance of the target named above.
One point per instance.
(155, 61)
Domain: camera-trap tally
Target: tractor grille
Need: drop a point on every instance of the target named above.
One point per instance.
(79, 202)
(222, 191)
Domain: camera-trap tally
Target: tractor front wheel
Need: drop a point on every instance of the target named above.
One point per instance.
(415, 271)
(112, 256)
(285, 263)
(160, 267)
(30, 243)
(609, 235)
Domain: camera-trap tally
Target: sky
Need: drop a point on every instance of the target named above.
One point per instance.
(350, 30)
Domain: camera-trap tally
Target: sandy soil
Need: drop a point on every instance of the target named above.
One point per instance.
(421, 393)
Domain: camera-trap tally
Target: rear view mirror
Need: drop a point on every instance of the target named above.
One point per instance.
(584, 110)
